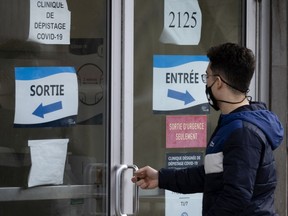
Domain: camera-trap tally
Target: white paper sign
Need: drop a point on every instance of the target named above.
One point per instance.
(48, 161)
(182, 22)
(49, 22)
(183, 204)
(46, 95)
(177, 82)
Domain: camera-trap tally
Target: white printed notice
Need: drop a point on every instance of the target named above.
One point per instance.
(49, 22)
(182, 22)
(45, 96)
(183, 204)
(177, 84)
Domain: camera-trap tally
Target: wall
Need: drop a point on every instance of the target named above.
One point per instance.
(278, 93)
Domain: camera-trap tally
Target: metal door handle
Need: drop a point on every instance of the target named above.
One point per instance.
(119, 173)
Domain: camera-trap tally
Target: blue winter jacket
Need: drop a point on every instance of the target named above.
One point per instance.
(238, 176)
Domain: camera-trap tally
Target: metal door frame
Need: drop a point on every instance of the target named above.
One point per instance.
(122, 64)
(122, 81)
(258, 40)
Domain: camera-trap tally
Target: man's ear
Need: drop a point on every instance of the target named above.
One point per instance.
(219, 82)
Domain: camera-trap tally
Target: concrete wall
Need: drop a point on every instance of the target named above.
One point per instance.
(278, 93)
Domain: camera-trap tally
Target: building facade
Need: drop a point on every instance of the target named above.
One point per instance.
(91, 89)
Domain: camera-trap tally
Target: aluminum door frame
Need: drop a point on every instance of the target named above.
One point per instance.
(258, 40)
(122, 81)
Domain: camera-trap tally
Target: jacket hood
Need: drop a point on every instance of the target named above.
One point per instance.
(257, 114)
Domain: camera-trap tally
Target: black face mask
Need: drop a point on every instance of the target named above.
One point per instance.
(212, 100)
(210, 97)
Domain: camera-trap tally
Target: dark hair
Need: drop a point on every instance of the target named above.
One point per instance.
(233, 63)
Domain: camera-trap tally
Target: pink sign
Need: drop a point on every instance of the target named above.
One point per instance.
(186, 131)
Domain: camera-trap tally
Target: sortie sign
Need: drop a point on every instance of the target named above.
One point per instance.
(45, 95)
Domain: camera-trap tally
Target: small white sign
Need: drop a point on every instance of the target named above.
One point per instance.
(177, 82)
(49, 22)
(182, 22)
(183, 204)
(45, 94)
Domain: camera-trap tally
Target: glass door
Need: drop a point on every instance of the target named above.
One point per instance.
(172, 120)
(54, 108)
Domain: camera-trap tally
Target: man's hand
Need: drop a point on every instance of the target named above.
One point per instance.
(146, 178)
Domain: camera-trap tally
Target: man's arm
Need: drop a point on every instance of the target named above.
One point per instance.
(188, 180)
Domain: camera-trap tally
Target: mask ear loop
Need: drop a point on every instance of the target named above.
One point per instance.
(245, 91)
(249, 98)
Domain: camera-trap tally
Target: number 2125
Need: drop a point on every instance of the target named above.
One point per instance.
(177, 19)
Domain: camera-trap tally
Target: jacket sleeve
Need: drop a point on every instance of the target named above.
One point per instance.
(242, 155)
(188, 180)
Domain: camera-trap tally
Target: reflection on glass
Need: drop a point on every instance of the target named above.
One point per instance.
(221, 22)
(85, 165)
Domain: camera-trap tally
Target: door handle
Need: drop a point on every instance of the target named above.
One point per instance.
(119, 173)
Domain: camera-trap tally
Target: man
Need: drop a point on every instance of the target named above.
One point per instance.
(238, 176)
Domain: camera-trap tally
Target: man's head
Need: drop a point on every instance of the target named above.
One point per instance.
(234, 64)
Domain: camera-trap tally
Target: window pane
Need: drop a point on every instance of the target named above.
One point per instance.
(221, 22)
(86, 53)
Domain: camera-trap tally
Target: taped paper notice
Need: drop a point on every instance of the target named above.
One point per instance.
(49, 22)
(48, 161)
(177, 84)
(45, 96)
(182, 22)
(183, 204)
(186, 131)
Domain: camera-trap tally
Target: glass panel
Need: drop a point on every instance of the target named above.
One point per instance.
(221, 22)
(82, 58)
